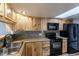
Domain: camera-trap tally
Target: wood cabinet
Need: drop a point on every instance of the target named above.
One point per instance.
(23, 23)
(23, 51)
(30, 24)
(33, 49)
(36, 24)
(8, 11)
(1, 8)
(64, 47)
(46, 48)
(44, 24)
(6, 14)
(42, 48)
(39, 48)
(30, 49)
(14, 15)
(39, 24)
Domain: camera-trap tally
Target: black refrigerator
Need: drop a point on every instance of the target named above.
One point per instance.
(73, 37)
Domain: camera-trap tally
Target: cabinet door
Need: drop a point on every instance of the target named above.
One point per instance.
(2, 9)
(64, 49)
(36, 24)
(29, 49)
(34, 49)
(38, 48)
(23, 51)
(44, 24)
(46, 48)
(14, 15)
(8, 11)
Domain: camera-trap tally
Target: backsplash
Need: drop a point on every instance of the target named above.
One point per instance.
(29, 34)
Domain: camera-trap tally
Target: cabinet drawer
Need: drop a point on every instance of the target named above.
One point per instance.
(46, 51)
(46, 42)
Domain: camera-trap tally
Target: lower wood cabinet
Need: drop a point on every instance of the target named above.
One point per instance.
(29, 49)
(46, 48)
(23, 50)
(64, 47)
(37, 48)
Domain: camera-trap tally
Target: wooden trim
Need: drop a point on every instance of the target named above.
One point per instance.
(1, 15)
(22, 48)
(7, 18)
(44, 17)
(10, 19)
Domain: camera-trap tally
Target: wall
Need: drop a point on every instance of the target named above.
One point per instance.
(76, 21)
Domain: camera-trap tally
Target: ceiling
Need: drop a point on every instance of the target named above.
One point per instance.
(43, 9)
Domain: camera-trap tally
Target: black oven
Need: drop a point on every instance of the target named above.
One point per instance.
(55, 44)
(55, 47)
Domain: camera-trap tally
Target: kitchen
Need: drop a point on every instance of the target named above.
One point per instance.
(31, 35)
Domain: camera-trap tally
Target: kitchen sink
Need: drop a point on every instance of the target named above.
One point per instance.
(11, 49)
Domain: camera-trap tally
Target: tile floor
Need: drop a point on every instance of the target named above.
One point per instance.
(74, 54)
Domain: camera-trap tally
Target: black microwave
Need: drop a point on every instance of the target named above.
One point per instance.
(52, 26)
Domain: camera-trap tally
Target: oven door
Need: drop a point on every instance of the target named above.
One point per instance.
(56, 48)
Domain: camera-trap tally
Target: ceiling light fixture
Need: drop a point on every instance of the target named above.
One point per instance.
(70, 12)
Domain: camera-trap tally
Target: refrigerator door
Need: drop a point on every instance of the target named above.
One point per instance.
(72, 32)
(78, 36)
(73, 47)
(72, 38)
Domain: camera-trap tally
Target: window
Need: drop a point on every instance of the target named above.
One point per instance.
(4, 29)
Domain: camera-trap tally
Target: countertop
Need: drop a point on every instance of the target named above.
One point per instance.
(36, 39)
(1, 37)
(26, 40)
(29, 40)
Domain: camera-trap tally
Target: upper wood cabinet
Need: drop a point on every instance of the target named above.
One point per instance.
(44, 24)
(1, 9)
(30, 24)
(14, 15)
(39, 24)
(8, 11)
(36, 24)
